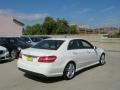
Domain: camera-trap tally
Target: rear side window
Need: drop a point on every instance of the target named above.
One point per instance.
(49, 44)
(75, 44)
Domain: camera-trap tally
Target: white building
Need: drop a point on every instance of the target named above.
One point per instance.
(10, 27)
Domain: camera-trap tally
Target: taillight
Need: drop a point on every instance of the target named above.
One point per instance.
(47, 59)
(20, 55)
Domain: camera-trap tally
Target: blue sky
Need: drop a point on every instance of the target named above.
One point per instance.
(94, 13)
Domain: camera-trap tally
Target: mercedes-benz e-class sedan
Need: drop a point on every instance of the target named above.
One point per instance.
(60, 57)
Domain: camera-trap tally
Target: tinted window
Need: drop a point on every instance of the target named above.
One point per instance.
(44, 37)
(25, 39)
(49, 44)
(86, 44)
(75, 44)
(36, 39)
(2, 41)
(12, 41)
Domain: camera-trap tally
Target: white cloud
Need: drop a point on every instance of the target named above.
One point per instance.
(107, 9)
(30, 17)
(5, 11)
(85, 10)
(23, 16)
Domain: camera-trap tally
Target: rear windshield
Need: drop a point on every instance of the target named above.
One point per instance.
(49, 44)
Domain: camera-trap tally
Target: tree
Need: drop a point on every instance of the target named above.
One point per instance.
(33, 30)
(73, 29)
(62, 26)
(28, 30)
(49, 25)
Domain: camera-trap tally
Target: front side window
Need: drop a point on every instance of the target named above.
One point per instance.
(49, 44)
(86, 44)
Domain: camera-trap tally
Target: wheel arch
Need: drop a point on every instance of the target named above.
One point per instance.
(64, 71)
(103, 53)
(71, 61)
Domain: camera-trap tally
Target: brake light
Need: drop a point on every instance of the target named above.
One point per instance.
(20, 55)
(47, 59)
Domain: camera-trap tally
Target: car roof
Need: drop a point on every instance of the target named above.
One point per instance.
(66, 39)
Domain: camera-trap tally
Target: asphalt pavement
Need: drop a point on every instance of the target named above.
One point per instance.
(106, 77)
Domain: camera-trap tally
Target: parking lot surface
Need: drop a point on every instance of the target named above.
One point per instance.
(106, 77)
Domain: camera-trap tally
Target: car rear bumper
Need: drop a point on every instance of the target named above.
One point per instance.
(40, 70)
(32, 73)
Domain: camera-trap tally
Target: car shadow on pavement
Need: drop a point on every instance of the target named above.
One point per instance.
(6, 61)
(55, 79)
(86, 69)
(43, 79)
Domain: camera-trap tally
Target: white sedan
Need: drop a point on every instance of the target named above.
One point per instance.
(60, 57)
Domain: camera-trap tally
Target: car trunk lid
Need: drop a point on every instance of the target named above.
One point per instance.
(32, 55)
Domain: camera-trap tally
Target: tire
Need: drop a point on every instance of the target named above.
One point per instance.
(14, 54)
(69, 71)
(102, 59)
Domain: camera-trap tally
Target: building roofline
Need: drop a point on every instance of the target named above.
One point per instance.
(20, 23)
